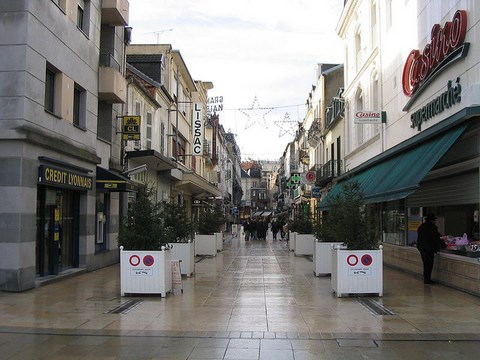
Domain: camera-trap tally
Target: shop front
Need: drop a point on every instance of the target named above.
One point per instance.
(60, 187)
(435, 171)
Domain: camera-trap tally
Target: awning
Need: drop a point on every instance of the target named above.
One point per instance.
(110, 181)
(400, 175)
(195, 184)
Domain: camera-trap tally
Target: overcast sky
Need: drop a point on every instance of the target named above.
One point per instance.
(259, 54)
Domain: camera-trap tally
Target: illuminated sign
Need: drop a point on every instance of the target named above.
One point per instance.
(48, 175)
(197, 146)
(131, 127)
(446, 47)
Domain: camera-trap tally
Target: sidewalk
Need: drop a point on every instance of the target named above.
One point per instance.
(254, 300)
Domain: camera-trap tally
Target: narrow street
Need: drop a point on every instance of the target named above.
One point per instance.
(254, 300)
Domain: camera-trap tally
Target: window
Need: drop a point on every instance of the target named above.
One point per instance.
(149, 130)
(374, 97)
(373, 21)
(80, 18)
(179, 149)
(62, 4)
(388, 11)
(79, 106)
(50, 90)
(393, 222)
(358, 51)
(359, 127)
(83, 18)
(162, 138)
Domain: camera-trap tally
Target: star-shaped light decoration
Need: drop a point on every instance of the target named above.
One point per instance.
(286, 126)
(256, 114)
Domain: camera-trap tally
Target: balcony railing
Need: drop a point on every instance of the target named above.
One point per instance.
(107, 60)
(331, 169)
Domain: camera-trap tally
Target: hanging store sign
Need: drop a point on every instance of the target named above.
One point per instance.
(369, 117)
(445, 100)
(447, 46)
(197, 129)
(214, 104)
(131, 127)
(48, 175)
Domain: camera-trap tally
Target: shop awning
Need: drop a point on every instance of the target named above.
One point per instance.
(195, 184)
(400, 175)
(110, 181)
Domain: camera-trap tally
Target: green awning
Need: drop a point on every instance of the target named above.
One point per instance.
(400, 175)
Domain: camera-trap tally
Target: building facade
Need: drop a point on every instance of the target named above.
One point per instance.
(63, 85)
(417, 62)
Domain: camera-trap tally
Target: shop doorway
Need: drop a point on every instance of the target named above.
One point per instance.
(57, 231)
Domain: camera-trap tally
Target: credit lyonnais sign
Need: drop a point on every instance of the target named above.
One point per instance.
(131, 127)
(49, 175)
(447, 46)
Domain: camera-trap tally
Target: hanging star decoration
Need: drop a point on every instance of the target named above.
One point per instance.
(256, 114)
(286, 126)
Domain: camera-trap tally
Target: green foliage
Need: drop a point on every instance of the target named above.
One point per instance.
(177, 224)
(348, 220)
(142, 228)
(303, 222)
(210, 220)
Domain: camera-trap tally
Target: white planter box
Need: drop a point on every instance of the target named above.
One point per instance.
(219, 241)
(357, 272)
(291, 240)
(185, 252)
(145, 272)
(205, 245)
(322, 257)
(304, 244)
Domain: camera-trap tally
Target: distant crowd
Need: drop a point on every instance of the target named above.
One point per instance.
(257, 229)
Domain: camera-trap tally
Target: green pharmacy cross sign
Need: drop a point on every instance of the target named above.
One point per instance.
(295, 178)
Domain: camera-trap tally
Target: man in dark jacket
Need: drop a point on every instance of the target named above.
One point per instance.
(428, 243)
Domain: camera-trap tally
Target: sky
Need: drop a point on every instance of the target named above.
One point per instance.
(260, 56)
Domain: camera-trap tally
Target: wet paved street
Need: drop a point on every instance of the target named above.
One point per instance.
(254, 300)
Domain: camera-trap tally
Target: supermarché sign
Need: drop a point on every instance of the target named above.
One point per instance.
(444, 101)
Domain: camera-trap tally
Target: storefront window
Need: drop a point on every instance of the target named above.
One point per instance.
(393, 222)
(459, 225)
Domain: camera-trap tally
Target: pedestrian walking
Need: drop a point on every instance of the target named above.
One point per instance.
(274, 229)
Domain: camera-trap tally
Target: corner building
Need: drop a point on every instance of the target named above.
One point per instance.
(62, 86)
(418, 62)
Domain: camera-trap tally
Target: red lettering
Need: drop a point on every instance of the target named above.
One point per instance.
(419, 66)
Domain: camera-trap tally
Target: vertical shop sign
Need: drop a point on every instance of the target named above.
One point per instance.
(197, 129)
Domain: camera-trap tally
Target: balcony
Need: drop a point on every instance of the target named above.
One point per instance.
(115, 12)
(329, 171)
(112, 86)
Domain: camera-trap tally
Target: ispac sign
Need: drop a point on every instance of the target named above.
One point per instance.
(445, 47)
(197, 129)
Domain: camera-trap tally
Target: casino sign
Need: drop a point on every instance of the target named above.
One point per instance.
(447, 46)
